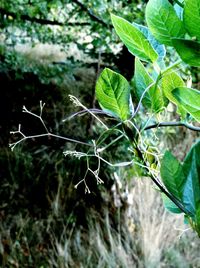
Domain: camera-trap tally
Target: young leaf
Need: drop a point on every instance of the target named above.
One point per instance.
(172, 175)
(170, 81)
(159, 48)
(191, 17)
(134, 40)
(189, 99)
(113, 94)
(153, 98)
(163, 21)
(188, 50)
(191, 168)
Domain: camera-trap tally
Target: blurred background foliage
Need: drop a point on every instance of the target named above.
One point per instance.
(48, 50)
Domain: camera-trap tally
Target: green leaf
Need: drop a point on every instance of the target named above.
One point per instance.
(191, 17)
(188, 50)
(159, 48)
(134, 40)
(113, 94)
(172, 175)
(171, 80)
(153, 98)
(170, 205)
(191, 168)
(163, 21)
(189, 99)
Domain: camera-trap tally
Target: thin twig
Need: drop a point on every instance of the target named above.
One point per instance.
(76, 102)
(110, 144)
(141, 99)
(83, 112)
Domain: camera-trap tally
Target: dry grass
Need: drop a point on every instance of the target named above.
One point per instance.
(154, 238)
(157, 229)
(144, 235)
(100, 246)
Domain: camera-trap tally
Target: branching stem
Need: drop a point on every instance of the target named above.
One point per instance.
(12, 145)
(47, 134)
(161, 187)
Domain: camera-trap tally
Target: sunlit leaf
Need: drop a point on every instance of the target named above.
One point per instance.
(113, 94)
(159, 48)
(134, 39)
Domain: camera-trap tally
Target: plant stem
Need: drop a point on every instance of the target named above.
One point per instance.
(12, 145)
(161, 187)
(156, 67)
(155, 180)
(172, 66)
(141, 98)
(173, 124)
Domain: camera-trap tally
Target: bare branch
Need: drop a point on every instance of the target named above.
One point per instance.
(173, 124)
(41, 21)
(48, 134)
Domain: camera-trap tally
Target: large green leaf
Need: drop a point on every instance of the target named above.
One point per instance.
(189, 99)
(153, 98)
(188, 50)
(159, 48)
(191, 168)
(191, 17)
(163, 21)
(134, 39)
(172, 175)
(171, 80)
(113, 94)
